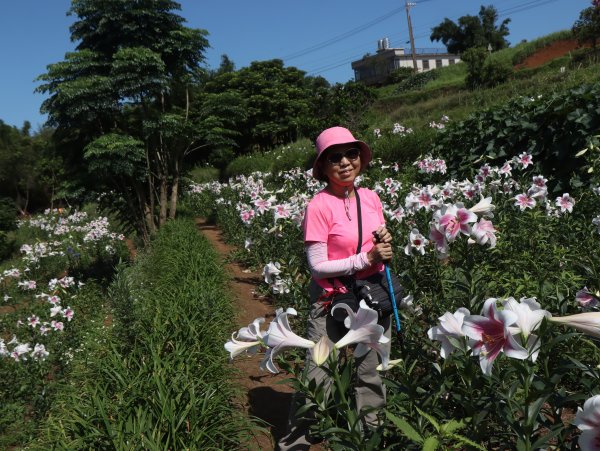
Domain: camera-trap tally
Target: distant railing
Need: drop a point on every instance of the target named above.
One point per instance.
(419, 51)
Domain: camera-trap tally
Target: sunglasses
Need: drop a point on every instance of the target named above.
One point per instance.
(337, 157)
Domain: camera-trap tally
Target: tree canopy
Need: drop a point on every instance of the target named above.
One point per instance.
(120, 103)
(472, 31)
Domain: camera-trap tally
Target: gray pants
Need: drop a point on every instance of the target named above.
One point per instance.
(370, 392)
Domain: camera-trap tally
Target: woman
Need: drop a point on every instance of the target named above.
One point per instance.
(331, 243)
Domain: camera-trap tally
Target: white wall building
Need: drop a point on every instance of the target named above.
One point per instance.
(375, 69)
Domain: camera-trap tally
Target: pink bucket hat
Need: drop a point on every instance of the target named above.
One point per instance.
(334, 136)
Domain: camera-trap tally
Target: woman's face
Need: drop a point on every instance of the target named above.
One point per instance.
(341, 164)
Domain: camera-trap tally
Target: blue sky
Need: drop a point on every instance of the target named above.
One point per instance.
(320, 37)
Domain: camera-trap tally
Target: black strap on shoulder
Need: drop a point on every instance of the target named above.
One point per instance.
(358, 213)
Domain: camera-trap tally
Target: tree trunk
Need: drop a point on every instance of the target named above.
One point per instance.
(149, 204)
(174, 191)
(163, 200)
(187, 102)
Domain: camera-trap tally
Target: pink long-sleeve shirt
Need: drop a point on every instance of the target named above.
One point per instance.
(327, 223)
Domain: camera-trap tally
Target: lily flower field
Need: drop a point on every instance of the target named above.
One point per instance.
(499, 346)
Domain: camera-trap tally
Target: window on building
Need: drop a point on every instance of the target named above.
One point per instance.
(438, 63)
(425, 64)
(451, 61)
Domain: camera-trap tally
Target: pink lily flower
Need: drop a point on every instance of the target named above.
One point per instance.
(455, 220)
(586, 298)
(280, 336)
(489, 335)
(523, 201)
(484, 232)
(438, 237)
(588, 422)
(525, 160)
(416, 242)
(565, 203)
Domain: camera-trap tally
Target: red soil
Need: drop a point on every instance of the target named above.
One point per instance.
(548, 53)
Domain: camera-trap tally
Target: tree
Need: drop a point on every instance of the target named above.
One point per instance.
(121, 104)
(30, 172)
(272, 104)
(587, 27)
(472, 31)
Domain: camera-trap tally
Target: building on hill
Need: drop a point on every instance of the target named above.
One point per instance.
(375, 69)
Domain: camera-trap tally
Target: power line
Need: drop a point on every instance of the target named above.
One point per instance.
(342, 36)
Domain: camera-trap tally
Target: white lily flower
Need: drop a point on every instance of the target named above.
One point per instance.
(362, 324)
(588, 422)
(407, 304)
(280, 336)
(379, 347)
(237, 347)
(484, 206)
(529, 317)
(252, 332)
(271, 271)
(391, 364)
(321, 351)
(588, 322)
(247, 339)
(450, 326)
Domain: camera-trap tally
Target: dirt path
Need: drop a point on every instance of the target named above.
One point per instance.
(266, 398)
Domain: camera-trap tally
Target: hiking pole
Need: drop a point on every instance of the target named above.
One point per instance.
(390, 288)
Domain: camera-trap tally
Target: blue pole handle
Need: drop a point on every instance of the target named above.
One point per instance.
(392, 296)
(390, 288)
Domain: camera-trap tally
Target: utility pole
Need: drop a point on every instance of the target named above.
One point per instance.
(410, 33)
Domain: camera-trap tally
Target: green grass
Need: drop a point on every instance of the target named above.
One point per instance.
(161, 380)
(417, 109)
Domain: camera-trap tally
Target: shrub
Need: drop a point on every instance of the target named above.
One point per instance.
(400, 74)
(416, 81)
(482, 71)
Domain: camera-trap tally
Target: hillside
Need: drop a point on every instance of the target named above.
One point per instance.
(550, 52)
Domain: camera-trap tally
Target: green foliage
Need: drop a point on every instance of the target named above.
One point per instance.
(117, 156)
(400, 74)
(416, 81)
(275, 101)
(552, 128)
(30, 170)
(297, 155)
(472, 31)
(203, 174)
(8, 214)
(483, 71)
